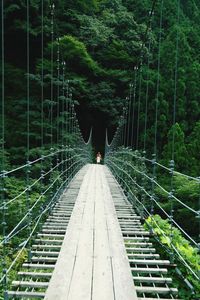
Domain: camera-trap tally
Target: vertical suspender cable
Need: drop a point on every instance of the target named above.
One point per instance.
(52, 60)
(2, 83)
(28, 81)
(70, 129)
(172, 163)
(124, 126)
(67, 128)
(148, 25)
(121, 131)
(143, 197)
(154, 156)
(133, 107)
(126, 120)
(147, 95)
(52, 93)
(72, 116)
(58, 89)
(176, 76)
(129, 113)
(158, 79)
(70, 109)
(42, 91)
(28, 122)
(118, 137)
(140, 68)
(199, 218)
(3, 151)
(151, 14)
(58, 100)
(129, 122)
(42, 73)
(63, 101)
(66, 109)
(135, 82)
(63, 96)
(139, 103)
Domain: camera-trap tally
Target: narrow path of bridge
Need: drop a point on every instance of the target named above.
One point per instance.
(93, 246)
(92, 263)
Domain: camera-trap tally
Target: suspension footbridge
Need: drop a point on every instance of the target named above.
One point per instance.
(75, 230)
(93, 237)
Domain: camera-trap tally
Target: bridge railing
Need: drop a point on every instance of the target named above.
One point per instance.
(48, 155)
(152, 195)
(41, 182)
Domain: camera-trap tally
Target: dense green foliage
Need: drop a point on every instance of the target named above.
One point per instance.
(173, 224)
(100, 42)
(172, 236)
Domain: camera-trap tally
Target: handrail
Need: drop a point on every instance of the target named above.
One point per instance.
(163, 189)
(177, 252)
(152, 198)
(142, 158)
(38, 180)
(37, 201)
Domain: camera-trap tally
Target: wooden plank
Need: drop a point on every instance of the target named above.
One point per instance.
(31, 284)
(159, 290)
(61, 278)
(83, 269)
(102, 288)
(24, 294)
(143, 255)
(132, 249)
(45, 253)
(152, 279)
(149, 262)
(38, 266)
(102, 279)
(35, 274)
(93, 263)
(81, 282)
(122, 277)
(157, 298)
(148, 270)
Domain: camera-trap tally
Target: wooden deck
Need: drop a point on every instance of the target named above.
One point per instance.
(93, 264)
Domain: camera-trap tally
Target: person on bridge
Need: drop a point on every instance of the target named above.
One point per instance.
(98, 158)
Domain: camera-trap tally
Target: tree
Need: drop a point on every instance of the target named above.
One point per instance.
(194, 149)
(176, 146)
(76, 56)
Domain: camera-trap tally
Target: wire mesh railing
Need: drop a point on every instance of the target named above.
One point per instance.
(152, 196)
(22, 220)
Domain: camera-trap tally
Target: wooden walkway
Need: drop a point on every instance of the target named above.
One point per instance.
(92, 264)
(79, 252)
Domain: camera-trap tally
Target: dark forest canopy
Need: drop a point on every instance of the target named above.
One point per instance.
(101, 42)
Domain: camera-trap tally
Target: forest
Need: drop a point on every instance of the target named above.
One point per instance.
(101, 43)
(93, 48)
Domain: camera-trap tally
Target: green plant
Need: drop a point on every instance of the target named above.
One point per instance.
(172, 236)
